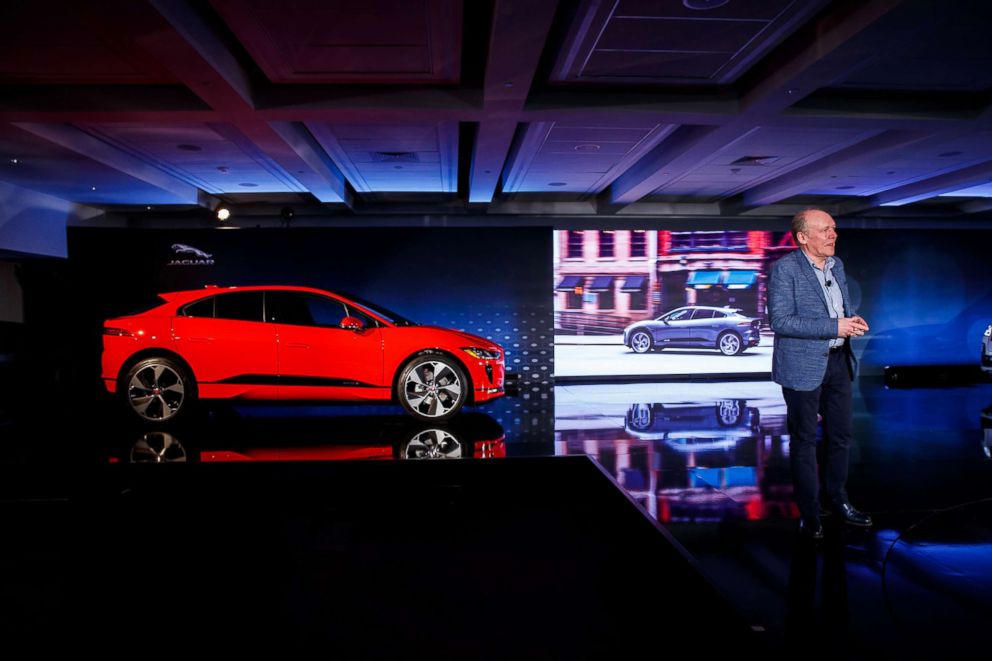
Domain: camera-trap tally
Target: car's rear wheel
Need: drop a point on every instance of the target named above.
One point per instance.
(158, 390)
(729, 344)
(432, 387)
(641, 341)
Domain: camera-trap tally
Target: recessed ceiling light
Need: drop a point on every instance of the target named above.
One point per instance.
(556, 184)
(223, 169)
(92, 187)
(223, 213)
(188, 147)
(845, 187)
(14, 161)
(587, 147)
(703, 5)
(148, 208)
(248, 184)
(948, 154)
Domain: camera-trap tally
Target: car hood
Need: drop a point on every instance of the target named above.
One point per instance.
(468, 339)
(642, 324)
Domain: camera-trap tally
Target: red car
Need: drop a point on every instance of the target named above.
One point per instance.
(291, 343)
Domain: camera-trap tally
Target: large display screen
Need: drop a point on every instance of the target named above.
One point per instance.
(650, 303)
(486, 281)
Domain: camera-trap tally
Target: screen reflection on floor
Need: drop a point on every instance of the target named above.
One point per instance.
(685, 452)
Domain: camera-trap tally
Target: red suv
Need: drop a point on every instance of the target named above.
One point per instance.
(291, 343)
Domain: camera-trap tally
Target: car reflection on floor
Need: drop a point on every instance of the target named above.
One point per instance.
(697, 461)
(470, 435)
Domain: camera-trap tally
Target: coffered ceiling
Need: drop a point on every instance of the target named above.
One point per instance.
(595, 107)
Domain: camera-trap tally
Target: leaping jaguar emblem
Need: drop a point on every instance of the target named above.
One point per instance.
(190, 250)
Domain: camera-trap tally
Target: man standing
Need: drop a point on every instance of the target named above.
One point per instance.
(813, 320)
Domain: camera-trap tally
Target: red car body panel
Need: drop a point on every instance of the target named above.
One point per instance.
(261, 360)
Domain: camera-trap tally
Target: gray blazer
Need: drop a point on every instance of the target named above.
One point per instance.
(802, 324)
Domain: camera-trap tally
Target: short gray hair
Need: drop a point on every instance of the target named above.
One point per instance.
(799, 221)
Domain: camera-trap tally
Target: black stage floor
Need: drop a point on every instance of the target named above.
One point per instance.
(653, 517)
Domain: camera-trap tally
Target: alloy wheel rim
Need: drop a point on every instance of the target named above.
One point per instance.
(432, 389)
(156, 392)
(433, 444)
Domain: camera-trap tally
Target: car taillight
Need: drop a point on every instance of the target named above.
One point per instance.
(117, 332)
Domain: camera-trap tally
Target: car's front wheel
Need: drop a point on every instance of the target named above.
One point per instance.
(158, 390)
(730, 344)
(432, 387)
(641, 341)
(432, 443)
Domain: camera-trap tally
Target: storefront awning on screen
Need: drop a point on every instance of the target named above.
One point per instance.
(570, 282)
(703, 279)
(634, 283)
(740, 279)
(602, 283)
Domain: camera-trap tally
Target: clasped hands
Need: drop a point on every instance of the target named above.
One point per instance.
(854, 326)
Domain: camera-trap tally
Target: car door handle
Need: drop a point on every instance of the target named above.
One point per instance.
(297, 345)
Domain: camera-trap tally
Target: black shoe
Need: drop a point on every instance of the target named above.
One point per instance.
(852, 516)
(812, 529)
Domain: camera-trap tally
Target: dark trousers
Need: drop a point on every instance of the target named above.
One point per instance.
(832, 400)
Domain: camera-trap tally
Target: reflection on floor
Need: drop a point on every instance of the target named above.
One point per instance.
(226, 524)
(711, 462)
(242, 529)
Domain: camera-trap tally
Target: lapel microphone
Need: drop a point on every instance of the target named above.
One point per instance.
(829, 282)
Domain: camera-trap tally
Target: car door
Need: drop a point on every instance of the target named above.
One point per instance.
(706, 325)
(225, 340)
(318, 358)
(673, 328)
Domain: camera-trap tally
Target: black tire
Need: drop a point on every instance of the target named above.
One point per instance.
(432, 387)
(158, 390)
(730, 343)
(641, 341)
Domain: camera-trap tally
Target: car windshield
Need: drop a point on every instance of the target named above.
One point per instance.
(677, 315)
(385, 313)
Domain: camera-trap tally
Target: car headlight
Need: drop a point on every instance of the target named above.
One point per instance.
(481, 354)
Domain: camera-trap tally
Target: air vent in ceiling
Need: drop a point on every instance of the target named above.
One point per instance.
(755, 160)
(395, 157)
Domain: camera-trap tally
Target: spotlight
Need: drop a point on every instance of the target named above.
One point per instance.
(287, 214)
(223, 213)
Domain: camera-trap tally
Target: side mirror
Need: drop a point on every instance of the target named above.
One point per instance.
(352, 323)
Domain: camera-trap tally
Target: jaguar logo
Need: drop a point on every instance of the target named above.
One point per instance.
(190, 250)
(196, 256)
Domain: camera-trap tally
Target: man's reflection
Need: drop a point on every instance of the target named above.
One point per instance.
(807, 627)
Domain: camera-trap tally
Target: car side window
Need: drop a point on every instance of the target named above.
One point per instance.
(239, 306)
(678, 315)
(303, 309)
(204, 308)
(703, 314)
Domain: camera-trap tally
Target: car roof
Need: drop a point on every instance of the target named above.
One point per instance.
(211, 290)
(706, 307)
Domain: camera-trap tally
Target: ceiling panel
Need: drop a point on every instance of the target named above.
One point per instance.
(338, 41)
(417, 158)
